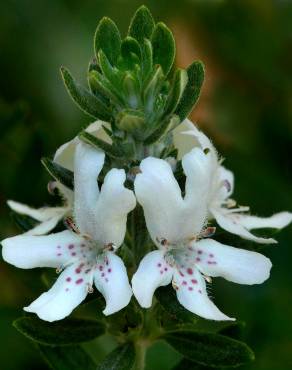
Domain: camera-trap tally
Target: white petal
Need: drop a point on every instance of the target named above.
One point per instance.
(111, 280)
(87, 166)
(199, 169)
(67, 293)
(225, 184)
(152, 273)
(167, 214)
(114, 203)
(160, 196)
(192, 294)
(182, 142)
(53, 250)
(40, 214)
(45, 227)
(234, 264)
(277, 221)
(187, 136)
(65, 154)
(229, 223)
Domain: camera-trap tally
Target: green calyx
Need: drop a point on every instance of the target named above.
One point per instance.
(133, 83)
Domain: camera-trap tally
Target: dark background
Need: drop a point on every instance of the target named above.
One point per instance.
(246, 108)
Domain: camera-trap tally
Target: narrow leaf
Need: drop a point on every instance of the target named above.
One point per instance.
(142, 24)
(122, 358)
(196, 73)
(99, 87)
(185, 364)
(85, 100)
(163, 47)
(178, 85)
(67, 358)
(130, 45)
(59, 173)
(147, 58)
(65, 332)
(165, 126)
(108, 39)
(110, 150)
(166, 296)
(210, 349)
(111, 73)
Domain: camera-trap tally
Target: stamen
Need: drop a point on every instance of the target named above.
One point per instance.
(208, 279)
(164, 242)
(65, 265)
(227, 185)
(70, 224)
(110, 247)
(90, 281)
(208, 232)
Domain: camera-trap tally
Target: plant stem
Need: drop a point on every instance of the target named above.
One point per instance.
(140, 356)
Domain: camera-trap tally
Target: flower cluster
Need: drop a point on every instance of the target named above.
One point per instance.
(180, 220)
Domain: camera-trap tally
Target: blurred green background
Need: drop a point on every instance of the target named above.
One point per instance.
(246, 108)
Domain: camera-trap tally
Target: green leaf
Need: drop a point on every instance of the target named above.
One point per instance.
(59, 173)
(163, 45)
(108, 39)
(196, 73)
(165, 126)
(147, 59)
(233, 330)
(190, 365)
(109, 149)
(142, 24)
(130, 120)
(210, 349)
(99, 87)
(122, 358)
(130, 45)
(60, 333)
(152, 89)
(67, 358)
(86, 101)
(166, 296)
(110, 72)
(179, 83)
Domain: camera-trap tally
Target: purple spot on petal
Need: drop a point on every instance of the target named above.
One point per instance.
(109, 270)
(190, 271)
(79, 281)
(71, 246)
(68, 279)
(73, 254)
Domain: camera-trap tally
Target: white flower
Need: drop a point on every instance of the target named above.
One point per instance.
(48, 217)
(64, 155)
(85, 256)
(176, 224)
(221, 207)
